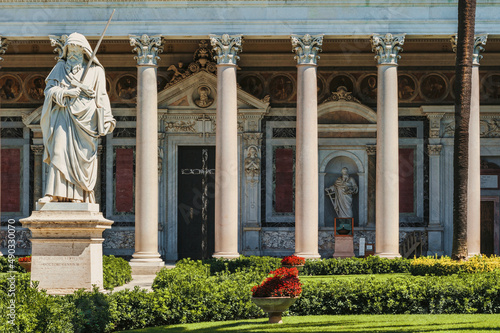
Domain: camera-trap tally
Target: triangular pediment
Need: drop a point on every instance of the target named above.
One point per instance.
(198, 93)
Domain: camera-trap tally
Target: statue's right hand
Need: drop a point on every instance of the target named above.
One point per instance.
(73, 92)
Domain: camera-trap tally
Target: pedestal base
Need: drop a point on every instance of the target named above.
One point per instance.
(146, 267)
(344, 247)
(67, 246)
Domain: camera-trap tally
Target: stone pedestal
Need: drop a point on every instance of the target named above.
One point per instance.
(67, 246)
(344, 247)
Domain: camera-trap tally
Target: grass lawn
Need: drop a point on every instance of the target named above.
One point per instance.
(457, 323)
(307, 278)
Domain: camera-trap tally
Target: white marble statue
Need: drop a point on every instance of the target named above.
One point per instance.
(341, 193)
(74, 115)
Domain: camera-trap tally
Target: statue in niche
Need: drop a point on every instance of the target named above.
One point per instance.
(74, 115)
(341, 193)
(204, 101)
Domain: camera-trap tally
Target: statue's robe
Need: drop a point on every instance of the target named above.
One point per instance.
(344, 190)
(71, 128)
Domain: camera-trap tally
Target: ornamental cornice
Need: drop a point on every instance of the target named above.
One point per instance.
(3, 47)
(479, 42)
(147, 49)
(371, 149)
(57, 42)
(434, 149)
(226, 48)
(387, 48)
(307, 48)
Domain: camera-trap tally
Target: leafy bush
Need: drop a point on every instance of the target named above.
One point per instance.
(116, 272)
(5, 267)
(369, 265)
(465, 293)
(262, 264)
(446, 266)
(283, 282)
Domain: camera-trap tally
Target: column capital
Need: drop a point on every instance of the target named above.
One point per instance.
(57, 42)
(226, 48)
(307, 48)
(387, 48)
(147, 49)
(3, 47)
(37, 149)
(479, 42)
(371, 149)
(434, 149)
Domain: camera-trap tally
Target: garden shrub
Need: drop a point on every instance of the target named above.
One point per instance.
(346, 266)
(262, 264)
(446, 266)
(5, 267)
(116, 272)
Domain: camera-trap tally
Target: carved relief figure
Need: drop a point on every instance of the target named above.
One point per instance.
(204, 100)
(72, 120)
(341, 193)
(252, 163)
(433, 87)
(281, 87)
(127, 87)
(252, 85)
(9, 88)
(36, 87)
(406, 87)
(369, 87)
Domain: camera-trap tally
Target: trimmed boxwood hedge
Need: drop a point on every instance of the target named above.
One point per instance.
(116, 272)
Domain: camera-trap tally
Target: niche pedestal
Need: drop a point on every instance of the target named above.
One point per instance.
(344, 239)
(66, 246)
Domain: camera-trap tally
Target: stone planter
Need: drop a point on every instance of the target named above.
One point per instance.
(275, 306)
(26, 265)
(300, 268)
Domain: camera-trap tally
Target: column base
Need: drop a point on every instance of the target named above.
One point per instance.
(226, 255)
(388, 255)
(470, 255)
(308, 255)
(146, 266)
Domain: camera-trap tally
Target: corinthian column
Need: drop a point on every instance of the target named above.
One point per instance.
(474, 174)
(226, 49)
(306, 48)
(387, 184)
(146, 259)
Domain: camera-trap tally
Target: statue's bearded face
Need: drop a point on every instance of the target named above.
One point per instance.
(74, 58)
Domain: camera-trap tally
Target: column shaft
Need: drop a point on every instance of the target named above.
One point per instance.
(306, 169)
(387, 182)
(226, 164)
(146, 259)
(474, 186)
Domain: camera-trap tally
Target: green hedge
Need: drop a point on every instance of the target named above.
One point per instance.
(4, 265)
(369, 265)
(116, 272)
(190, 293)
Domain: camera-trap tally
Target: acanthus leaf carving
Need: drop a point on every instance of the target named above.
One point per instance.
(341, 94)
(226, 48)
(307, 48)
(58, 42)
(387, 48)
(479, 43)
(147, 49)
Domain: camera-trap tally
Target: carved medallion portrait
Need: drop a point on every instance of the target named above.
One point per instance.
(126, 87)
(35, 86)
(10, 88)
(281, 88)
(253, 85)
(491, 87)
(202, 97)
(368, 87)
(434, 87)
(342, 81)
(407, 87)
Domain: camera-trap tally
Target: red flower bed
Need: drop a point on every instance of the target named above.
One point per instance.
(283, 282)
(293, 260)
(25, 259)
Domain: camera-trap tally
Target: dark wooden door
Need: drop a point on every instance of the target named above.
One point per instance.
(487, 227)
(196, 194)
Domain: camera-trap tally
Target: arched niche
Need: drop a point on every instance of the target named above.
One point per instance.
(330, 170)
